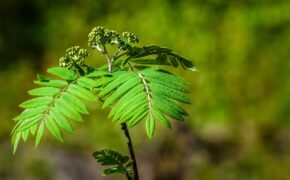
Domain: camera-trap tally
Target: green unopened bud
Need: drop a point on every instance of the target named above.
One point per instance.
(74, 56)
(100, 35)
(131, 38)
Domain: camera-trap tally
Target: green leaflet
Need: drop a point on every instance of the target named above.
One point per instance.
(159, 116)
(76, 102)
(53, 128)
(15, 140)
(113, 170)
(173, 61)
(162, 90)
(167, 83)
(67, 109)
(43, 77)
(96, 74)
(27, 123)
(52, 83)
(167, 106)
(136, 99)
(170, 104)
(61, 121)
(39, 133)
(138, 117)
(104, 81)
(27, 113)
(149, 62)
(131, 110)
(81, 92)
(168, 110)
(118, 80)
(150, 125)
(36, 102)
(25, 134)
(163, 75)
(87, 82)
(33, 129)
(130, 95)
(44, 91)
(143, 110)
(121, 90)
(63, 73)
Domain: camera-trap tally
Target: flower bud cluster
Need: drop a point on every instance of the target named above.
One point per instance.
(131, 38)
(74, 56)
(100, 35)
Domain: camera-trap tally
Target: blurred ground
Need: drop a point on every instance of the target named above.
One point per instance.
(239, 123)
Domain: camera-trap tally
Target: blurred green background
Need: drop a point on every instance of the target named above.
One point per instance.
(239, 123)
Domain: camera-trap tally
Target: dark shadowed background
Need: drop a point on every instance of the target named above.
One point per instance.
(239, 123)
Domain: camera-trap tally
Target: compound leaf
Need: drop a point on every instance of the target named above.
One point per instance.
(118, 162)
(58, 104)
(163, 56)
(110, 157)
(151, 94)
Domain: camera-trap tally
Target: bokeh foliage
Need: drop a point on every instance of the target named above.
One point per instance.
(238, 126)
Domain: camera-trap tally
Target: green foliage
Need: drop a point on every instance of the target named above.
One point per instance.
(136, 95)
(241, 48)
(164, 56)
(58, 102)
(133, 94)
(100, 36)
(118, 163)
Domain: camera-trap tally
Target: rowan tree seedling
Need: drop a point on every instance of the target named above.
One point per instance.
(132, 83)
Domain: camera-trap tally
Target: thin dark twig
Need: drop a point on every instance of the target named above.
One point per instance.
(120, 55)
(131, 67)
(117, 53)
(131, 150)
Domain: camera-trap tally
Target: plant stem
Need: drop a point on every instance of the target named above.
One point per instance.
(123, 125)
(110, 61)
(131, 150)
